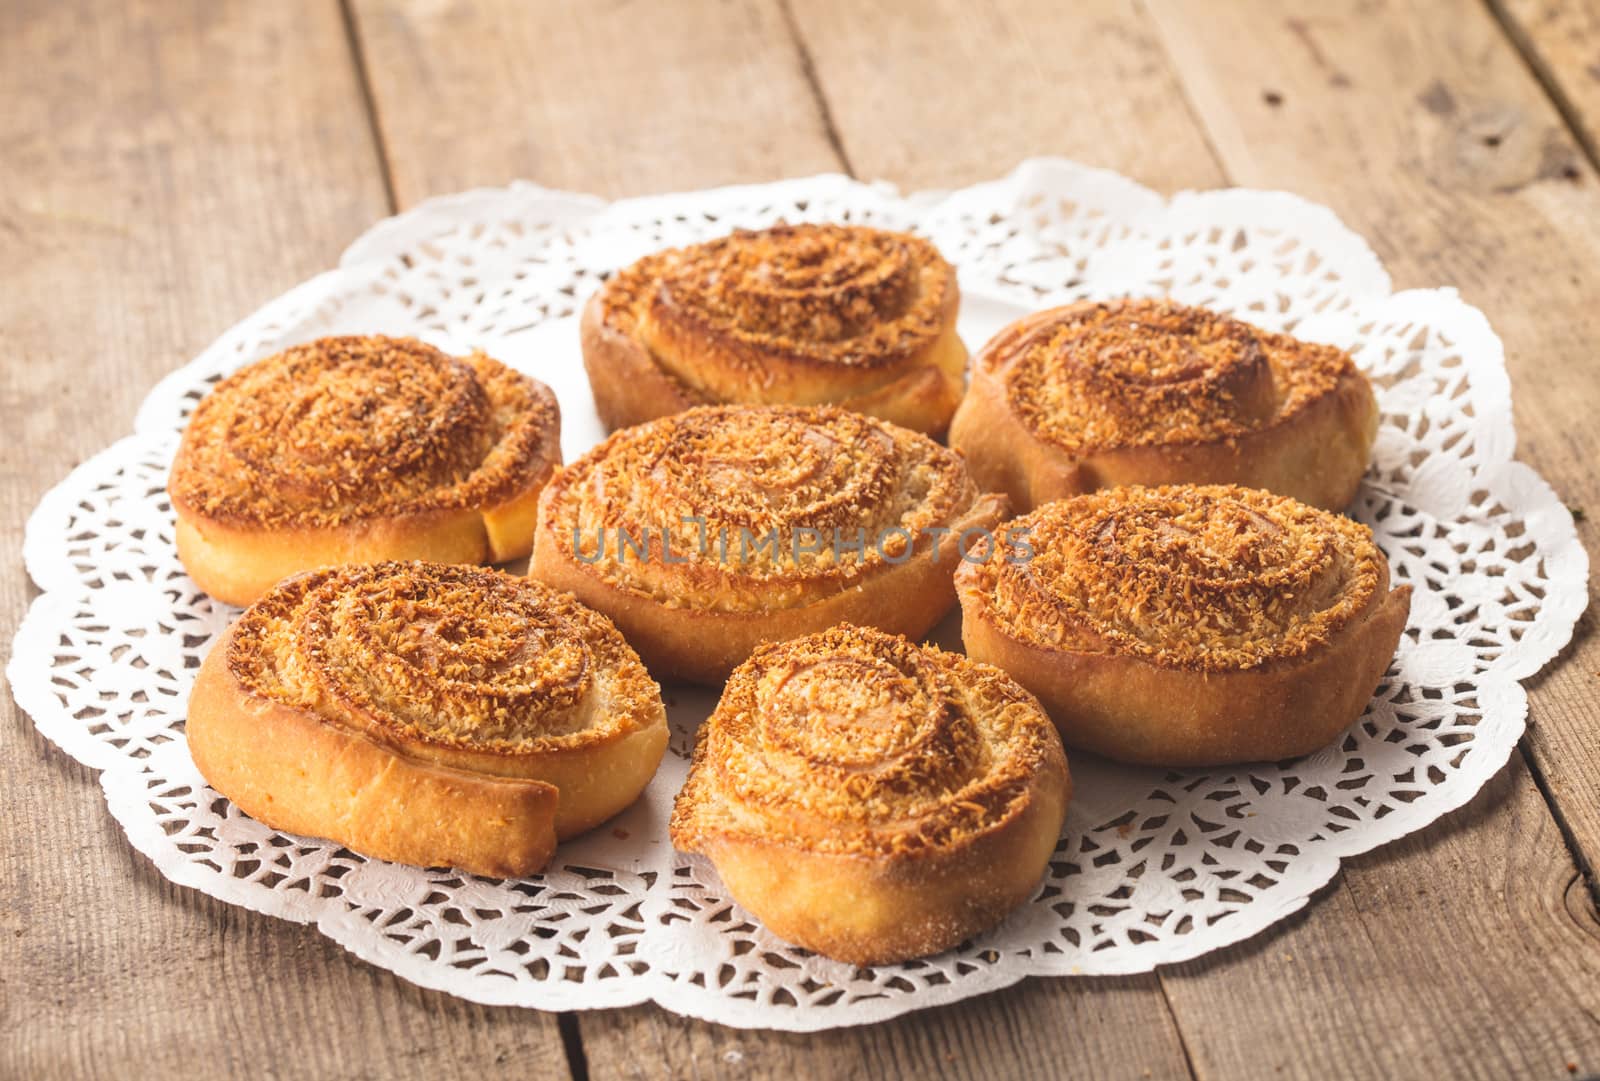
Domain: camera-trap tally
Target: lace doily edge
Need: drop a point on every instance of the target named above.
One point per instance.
(1557, 619)
(431, 217)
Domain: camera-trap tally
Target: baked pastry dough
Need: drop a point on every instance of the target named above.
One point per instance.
(872, 799)
(794, 314)
(1187, 625)
(428, 714)
(1094, 395)
(352, 450)
(708, 532)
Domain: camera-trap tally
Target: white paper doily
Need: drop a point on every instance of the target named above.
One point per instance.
(1155, 866)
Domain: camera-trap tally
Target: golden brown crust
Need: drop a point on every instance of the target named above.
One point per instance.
(734, 513)
(1188, 625)
(436, 715)
(356, 450)
(1099, 394)
(872, 799)
(795, 314)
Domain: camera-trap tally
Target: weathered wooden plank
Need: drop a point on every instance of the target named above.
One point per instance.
(948, 92)
(1337, 1011)
(1561, 42)
(1473, 182)
(768, 125)
(618, 98)
(1468, 950)
(1103, 1028)
(1376, 947)
(942, 130)
(165, 168)
(1427, 134)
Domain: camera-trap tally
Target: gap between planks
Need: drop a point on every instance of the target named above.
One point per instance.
(808, 68)
(1523, 45)
(1523, 48)
(369, 102)
(570, 1028)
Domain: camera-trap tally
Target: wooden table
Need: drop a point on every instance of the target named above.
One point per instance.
(166, 167)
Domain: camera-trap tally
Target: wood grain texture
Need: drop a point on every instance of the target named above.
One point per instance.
(1431, 138)
(948, 92)
(1560, 40)
(617, 98)
(742, 54)
(1451, 953)
(1108, 1029)
(164, 169)
(1451, 938)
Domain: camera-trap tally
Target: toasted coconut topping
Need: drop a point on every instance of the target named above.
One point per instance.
(1103, 376)
(351, 428)
(857, 742)
(751, 500)
(1214, 578)
(735, 317)
(452, 656)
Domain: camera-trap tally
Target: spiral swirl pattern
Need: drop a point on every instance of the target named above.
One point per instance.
(791, 315)
(445, 659)
(723, 479)
(856, 742)
(1211, 578)
(825, 294)
(350, 428)
(1103, 376)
